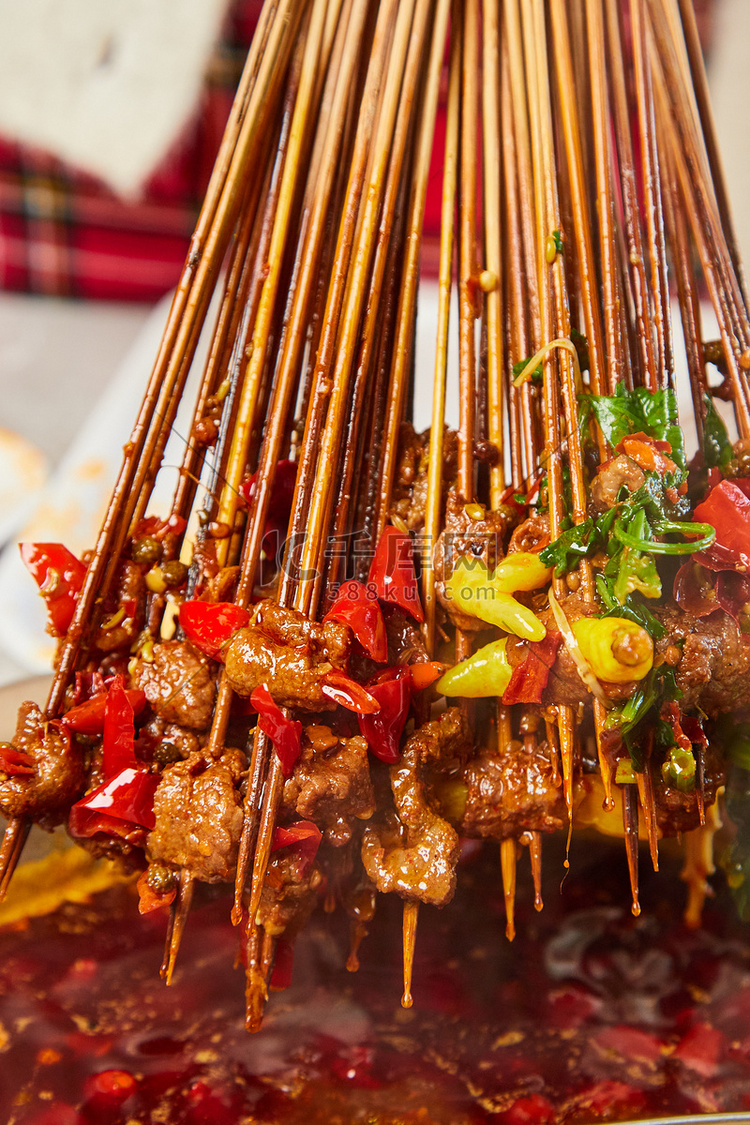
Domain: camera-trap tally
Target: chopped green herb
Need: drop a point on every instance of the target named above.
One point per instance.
(678, 769)
(658, 687)
(557, 236)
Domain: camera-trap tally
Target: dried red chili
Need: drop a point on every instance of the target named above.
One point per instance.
(356, 605)
(88, 717)
(529, 678)
(383, 729)
(14, 761)
(119, 730)
(392, 574)
(727, 509)
(59, 576)
(285, 734)
(117, 805)
(346, 691)
(210, 625)
(304, 836)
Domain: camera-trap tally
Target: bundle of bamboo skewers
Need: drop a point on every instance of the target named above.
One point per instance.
(581, 185)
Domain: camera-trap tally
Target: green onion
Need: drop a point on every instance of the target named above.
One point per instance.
(667, 527)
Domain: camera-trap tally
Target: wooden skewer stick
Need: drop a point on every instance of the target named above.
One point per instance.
(411, 915)
(508, 860)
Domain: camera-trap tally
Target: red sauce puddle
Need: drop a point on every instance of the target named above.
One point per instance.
(590, 1015)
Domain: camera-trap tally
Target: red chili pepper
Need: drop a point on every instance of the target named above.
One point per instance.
(392, 574)
(383, 730)
(119, 804)
(285, 734)
(304, 836)
(726, 508)
(119, 730)
(209, 625)
(15, 762)
(157, 528)
(88, 717)
(346, 691)
(425, 674)
(59, 576)
(529, 678)
(357, 606)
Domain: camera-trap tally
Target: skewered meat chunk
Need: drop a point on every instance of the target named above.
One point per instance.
(531, 535)
(678, 812)
(405, 638)
(50, 773)
(177, 684)
(289, 893)
(166, 742)
(331, 782)
(124, 621)
(512, 790)
(620, 472)
(713, 670)
(415, 852)
(409, 500)
(469, 531)
(198, 813)
(290, 653)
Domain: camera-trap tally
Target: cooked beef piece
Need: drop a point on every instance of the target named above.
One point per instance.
(409, 499)
(289, 893)
(57, 779)
(415, 851)
(405, 638)
(124, 610)
(290, 653)
(164, 742)
(466, 536)
(680, 812)
(177, 684)
(713, 670)
(513, 790)
(198, 812)
(620, 471)
(331, 783)
(531, 535)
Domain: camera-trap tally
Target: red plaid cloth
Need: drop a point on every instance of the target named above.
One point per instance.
(63, 233)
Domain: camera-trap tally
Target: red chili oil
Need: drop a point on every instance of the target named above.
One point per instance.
(591, 1014)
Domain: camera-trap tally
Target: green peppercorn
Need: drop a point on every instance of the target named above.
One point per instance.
(146, 550)
(165, 753)
(174, 573)
(161, 879)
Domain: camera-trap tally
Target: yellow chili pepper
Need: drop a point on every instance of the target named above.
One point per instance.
(617, 649)
(487, 672)
(489, 596)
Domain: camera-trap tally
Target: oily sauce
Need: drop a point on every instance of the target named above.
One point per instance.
(591, 1014)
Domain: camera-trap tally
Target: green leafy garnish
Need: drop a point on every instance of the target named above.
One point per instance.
(717, 448)
(637, 411)
(557, 236)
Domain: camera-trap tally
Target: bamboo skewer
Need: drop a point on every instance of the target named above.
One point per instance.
(316, 208)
